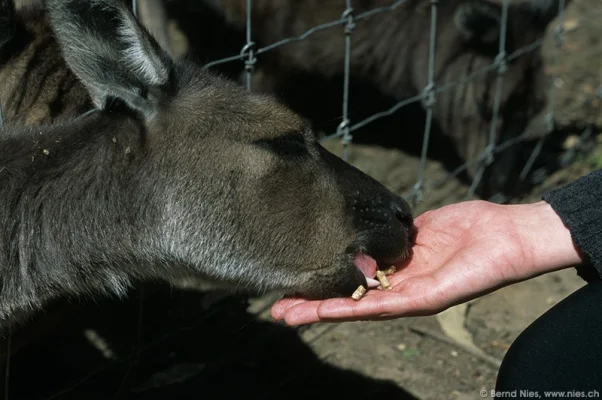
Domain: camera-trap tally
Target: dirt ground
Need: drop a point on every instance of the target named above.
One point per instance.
(164, 343)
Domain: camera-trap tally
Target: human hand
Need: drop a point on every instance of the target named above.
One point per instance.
(462, 251)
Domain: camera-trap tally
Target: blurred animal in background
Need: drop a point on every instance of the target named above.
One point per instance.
(390, 53)
(36, 86)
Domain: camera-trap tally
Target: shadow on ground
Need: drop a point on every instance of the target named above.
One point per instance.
(189, 348)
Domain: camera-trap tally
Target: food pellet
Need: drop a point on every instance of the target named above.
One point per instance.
(382, 278)
(391, 270)
(359, 293)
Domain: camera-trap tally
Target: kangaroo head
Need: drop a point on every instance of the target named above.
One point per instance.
(224, 184)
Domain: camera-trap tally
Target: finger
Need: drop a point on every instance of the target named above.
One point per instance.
(345, 310)
(303, 313)
(380, 306)
(369, 306)
(280, 307)
(376, 306)
(337, 310)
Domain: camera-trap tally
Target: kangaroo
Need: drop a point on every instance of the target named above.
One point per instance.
(36, 87)
(390, 50)
(53, 91)
(178, 173)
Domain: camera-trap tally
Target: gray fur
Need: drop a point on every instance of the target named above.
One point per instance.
(178, 175)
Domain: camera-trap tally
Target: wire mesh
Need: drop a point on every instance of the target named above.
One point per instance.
(552, 102)
(429, 103)
(428, 97)
(502, 67)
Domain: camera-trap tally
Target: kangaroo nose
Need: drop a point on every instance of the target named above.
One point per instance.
(387, 226)
(384, 212)
(402, 211)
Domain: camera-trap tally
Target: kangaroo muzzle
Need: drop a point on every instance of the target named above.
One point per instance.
(383, 223)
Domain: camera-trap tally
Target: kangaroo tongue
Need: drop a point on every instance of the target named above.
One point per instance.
(368, 266)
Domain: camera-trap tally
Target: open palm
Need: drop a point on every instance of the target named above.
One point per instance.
(462, 251)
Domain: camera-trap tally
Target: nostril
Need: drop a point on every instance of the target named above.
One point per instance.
(405, 219)
(402, 211)
(383, 213)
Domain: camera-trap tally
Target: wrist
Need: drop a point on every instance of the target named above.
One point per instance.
(546, 239)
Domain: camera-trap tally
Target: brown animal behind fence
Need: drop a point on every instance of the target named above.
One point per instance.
(390, 51)
(36, 87)
(51, 89)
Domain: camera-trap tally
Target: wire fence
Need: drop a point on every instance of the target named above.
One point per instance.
(249, 55)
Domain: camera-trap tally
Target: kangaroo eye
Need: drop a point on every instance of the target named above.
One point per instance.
(290, 145)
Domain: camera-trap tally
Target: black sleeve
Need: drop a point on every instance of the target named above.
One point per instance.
(579, 206)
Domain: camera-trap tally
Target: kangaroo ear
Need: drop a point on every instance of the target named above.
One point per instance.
(478, 21)
(7, 21)
(110, 52)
